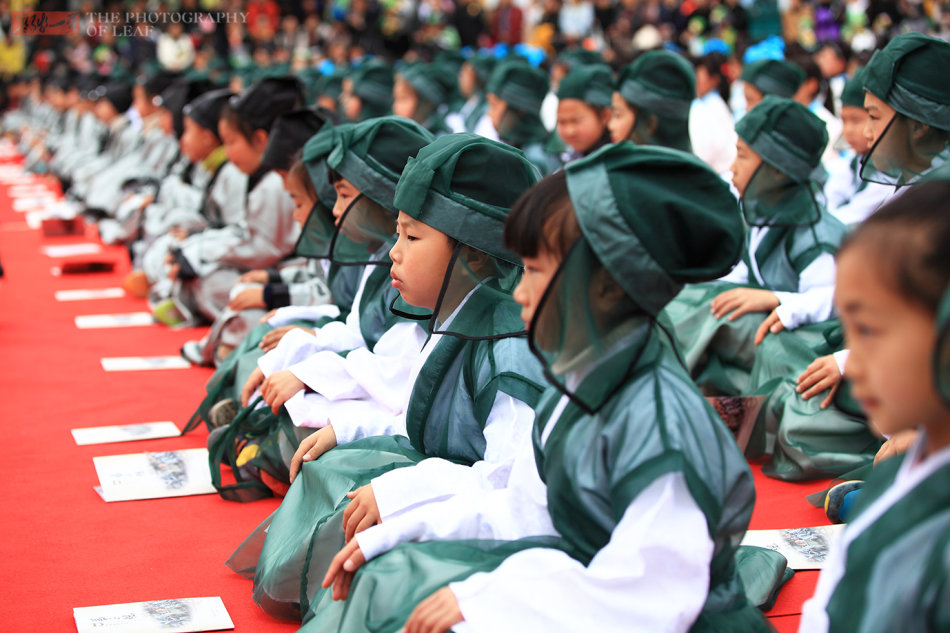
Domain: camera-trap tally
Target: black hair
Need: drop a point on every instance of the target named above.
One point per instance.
(909, 237)
(298, 173)
(239, 123)
(542, 219)
(714, 63)
(333, 176)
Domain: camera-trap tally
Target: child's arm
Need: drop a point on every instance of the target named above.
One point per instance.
(813, 301)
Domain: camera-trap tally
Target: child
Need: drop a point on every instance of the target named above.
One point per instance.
(893, 294)
(651, 102)
(421, 92)
(711, 128)
(641, 481)
(474, 383)
(266, 289)
(360, 366)
(849, 198)
(515, 92)
(255, 229)
(788, 267)
(908, 105)
(770, 77)
(583, 109)
(473, 114)
(367, 91)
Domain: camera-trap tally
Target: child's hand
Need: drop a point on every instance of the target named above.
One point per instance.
(312, 447)
(896, 445)
(741, 301)
(253, 382)
(436, 614)
(254, 277)
(279, 387)
(342, 569)
(820, 375)
(772, 324)
(178, 233)
(362, 513)
(248, 298)
(267, 317)
(270, 340)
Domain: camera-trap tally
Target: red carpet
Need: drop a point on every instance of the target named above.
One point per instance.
(63, 546)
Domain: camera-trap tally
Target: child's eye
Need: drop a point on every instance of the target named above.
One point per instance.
(411, 238)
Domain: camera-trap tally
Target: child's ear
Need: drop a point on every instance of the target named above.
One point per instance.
(604, 115)
(652, 124)
(259, 140)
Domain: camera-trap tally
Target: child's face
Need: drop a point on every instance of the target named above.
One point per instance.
(744, 166)
(580, 125)
(405, 99)
(891, 341)
(105, 111)
(197, 142)
(421, 258)
(854, 120)
(346, 193)
(705, 83)
(538, 273)
(879, 115)
(622, 119)
(753, 96)
(303, 203)
(245, 154)
(891, 154)
(468, 80)
(496, 110)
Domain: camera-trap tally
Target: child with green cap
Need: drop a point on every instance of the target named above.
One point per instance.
(474, 384)
(849, 198)
(889, 570)
(908, 104)
(515, 93)
(651, 101)
(583, 109)
(473, 114)
(367, 91)
(776, 77)
(422, 92)
(357, 369)
(254, 228)
(787, 270)
(633, 479)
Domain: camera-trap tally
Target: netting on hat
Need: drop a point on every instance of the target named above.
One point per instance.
(942, 350)
(897, 158)
(582, 321)
(772, 198)
(360, 232)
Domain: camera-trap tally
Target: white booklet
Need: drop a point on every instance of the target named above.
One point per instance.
(71, 250)
(804, 548)
(143, 363)
(154, 475)
(124, 433)
(157, 616)
(97, 321)
(92, 293)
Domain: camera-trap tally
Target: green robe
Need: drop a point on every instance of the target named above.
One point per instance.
(594, 466)
(449, 406)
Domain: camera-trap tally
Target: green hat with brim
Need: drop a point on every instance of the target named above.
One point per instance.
(372, 154)
(774, 77)
(520, 85)
(656, 218)
(483, 66)
(432, 82)
(853, 92)
(373, 84)
(661, 82)
(314, 156)
(910, 75)
(592, 84)
(786, 135)
(445, 186)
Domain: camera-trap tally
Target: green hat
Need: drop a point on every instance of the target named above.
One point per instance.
(853, 92)
(520, 85)
(317, 233)
(373, 84)
(483, 66)
(774, 77)
(786, 135)
(593, 84)
(661, 82)
(656, 218)
(910, 75)
(431, 82)
(580, 57)
(463, 185)
(372, 154)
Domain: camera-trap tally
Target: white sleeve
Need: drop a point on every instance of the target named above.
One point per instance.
(738, 275)
(813, 302)
(841, 359)
(652, 576)
(289, 314)
(509, 424)
(516, 511)
(297, 345)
